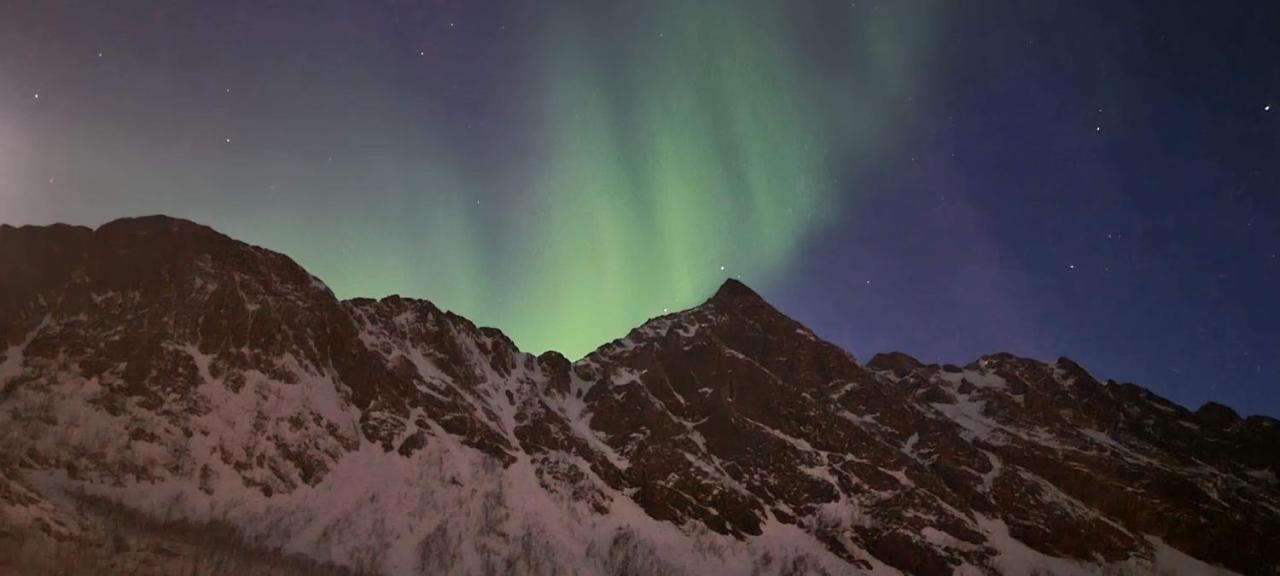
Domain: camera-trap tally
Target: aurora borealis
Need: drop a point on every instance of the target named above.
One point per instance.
(1048, 179)
(692, 152)
(633, 157)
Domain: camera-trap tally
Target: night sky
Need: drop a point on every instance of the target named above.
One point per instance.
(1097, 180)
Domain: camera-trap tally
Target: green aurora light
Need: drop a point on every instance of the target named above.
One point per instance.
(698, 145)
(653, 149)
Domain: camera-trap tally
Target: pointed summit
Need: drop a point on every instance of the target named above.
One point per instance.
(735, 292)
(740, 301)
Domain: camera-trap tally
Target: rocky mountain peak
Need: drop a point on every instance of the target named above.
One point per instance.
(735, 297)
(898, 363)
(1217, 415)
(158, 224)
(735, 291)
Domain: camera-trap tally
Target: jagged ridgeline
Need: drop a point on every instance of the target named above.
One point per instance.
(173, 401)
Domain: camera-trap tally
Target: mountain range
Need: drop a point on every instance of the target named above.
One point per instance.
(174, 401)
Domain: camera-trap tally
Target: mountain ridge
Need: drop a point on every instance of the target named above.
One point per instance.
(726, 437)
(730, 288)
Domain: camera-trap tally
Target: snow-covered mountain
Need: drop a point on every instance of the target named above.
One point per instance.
(166, 390)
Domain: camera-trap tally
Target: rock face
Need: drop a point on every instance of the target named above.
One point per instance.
(176, 373)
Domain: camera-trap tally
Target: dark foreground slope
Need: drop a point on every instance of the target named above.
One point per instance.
(157, 371)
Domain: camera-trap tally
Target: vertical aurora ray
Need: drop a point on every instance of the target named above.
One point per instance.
(685, 151)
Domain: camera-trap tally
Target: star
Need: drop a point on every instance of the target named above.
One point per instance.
(1097, 128)
(1071, 266)
(228, 140)
(722, 268)
(1266, 108)
(99, 54)
(36, 95)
